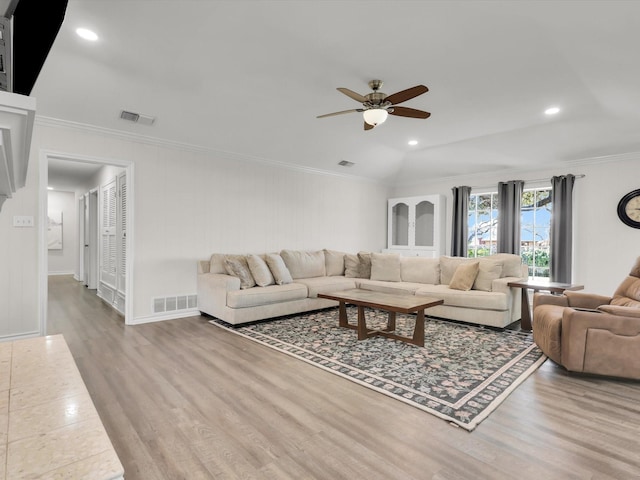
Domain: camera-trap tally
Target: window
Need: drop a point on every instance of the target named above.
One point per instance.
(483, 224)
(535, 224)
(535, 227)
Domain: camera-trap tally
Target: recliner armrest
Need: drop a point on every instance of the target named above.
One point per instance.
(586, 300)
(620, 310)
(549, 299)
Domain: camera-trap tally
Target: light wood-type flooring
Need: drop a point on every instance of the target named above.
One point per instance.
(182, 399)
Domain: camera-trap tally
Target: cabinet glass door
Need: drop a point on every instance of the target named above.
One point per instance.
(400, 224)
(425, 224)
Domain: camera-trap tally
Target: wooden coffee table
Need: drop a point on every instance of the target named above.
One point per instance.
(387, 302)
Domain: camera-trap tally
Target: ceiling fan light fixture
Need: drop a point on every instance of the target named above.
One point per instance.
(375, 116)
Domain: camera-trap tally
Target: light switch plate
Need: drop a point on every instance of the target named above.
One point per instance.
(23, 221)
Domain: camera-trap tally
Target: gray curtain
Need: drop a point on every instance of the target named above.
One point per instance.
(509, 200)
(460, 223)
(561, 228)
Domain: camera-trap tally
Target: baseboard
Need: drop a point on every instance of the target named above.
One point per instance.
(51, 274)
(160, 317)
(20, 336)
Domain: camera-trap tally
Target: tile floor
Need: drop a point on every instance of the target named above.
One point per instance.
(49, 427)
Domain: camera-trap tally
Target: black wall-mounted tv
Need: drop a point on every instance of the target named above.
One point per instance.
(28, 29)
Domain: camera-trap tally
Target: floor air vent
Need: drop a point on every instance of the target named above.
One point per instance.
(172, 304)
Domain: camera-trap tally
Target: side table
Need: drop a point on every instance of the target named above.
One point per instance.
(536, 286)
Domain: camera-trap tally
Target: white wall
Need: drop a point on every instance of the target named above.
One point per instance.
(104, 175)
(64, 261)
(605, 249)
(188, 204)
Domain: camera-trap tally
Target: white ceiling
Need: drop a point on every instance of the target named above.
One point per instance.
(250, 77)
(67, 175)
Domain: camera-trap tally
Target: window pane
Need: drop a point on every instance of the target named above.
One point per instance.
(535, 216)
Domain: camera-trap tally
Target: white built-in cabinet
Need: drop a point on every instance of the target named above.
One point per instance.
(416, 226)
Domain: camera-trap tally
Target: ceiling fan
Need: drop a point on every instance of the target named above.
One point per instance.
(377, 105)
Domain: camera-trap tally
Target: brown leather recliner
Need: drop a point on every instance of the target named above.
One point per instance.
(591, 333)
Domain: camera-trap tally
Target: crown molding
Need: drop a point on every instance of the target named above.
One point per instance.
(461, 179)
(222, 154)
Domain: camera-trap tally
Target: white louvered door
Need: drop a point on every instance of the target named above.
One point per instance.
(121, 233)
(108, 234)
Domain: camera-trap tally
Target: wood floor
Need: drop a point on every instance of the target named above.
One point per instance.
(182, 399)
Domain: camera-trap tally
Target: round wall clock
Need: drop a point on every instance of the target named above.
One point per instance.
(629, 209)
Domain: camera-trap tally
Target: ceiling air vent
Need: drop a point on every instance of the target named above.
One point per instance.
(345, 163)
(137, 117)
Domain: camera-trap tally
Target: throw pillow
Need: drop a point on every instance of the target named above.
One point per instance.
(364, 267)
(216, 263)
(420, 270)
(260, 270)
(448, 266)
(385, 266)
(351, 265)
(334, 262)
(464, 276)
(236, 266)
(303, 264)
(278, 269)
(489, 271)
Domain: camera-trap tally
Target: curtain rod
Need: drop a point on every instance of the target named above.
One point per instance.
(537, 180)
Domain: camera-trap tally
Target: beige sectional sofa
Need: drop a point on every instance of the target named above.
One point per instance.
(245, 288)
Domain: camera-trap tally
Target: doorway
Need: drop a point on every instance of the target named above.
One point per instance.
(85, 176)
(87, 266)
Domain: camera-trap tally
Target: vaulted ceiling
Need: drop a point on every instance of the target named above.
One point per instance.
(250, 77)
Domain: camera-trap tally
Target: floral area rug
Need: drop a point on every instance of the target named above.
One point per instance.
(461, 374)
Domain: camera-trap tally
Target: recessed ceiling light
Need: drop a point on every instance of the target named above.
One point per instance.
(49, 188)
(552, 110)
(87, 34)
(413, 142)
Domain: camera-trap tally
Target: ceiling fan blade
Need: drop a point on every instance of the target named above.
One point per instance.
(409, 112)
(407, 94)
(340, 113)
(351, 94)
(367, 126)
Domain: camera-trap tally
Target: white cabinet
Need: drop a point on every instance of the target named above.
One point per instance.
(416, 225)
(17, 114)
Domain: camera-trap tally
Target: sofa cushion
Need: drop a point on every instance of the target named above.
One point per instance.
(420, 270)
(448, 267)
(490, 270)
(257, 296)
(278, 269)
(333, 262)
(237, 266)
(388, 287)
(468, 299)
(260, 271)
(385, 266)
(464, 276)
(318, 285)
(304, 264)
(511, 264)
